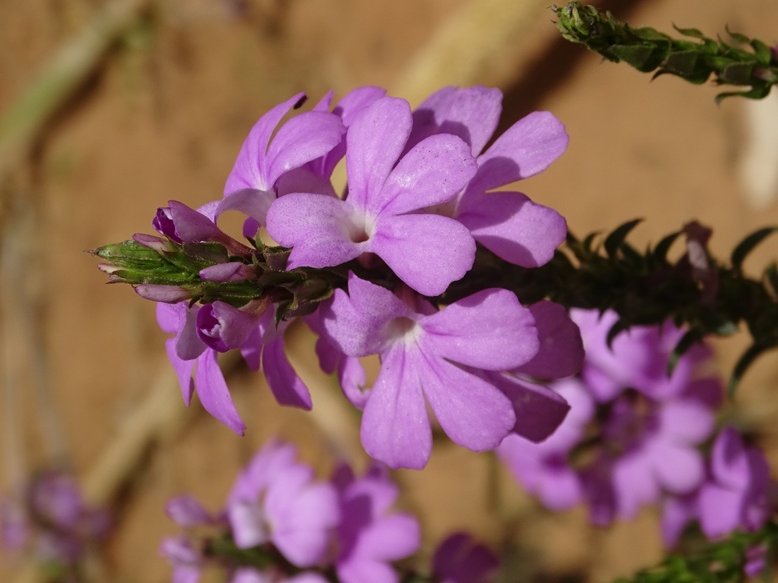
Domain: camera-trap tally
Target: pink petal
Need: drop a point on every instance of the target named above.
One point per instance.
(427, 252)
(528, 147)
(303, 138)
(250, 170)
(395, 426)
(676, 514)
(361, 569)
(472, 113)
(188, 343)
(431, 173)
(375, 141)
(678, 468)
(251, 202)
(560, 352)
(183, 369)
(686, 422)
(316, 227)
(390, 538)
(539, 411)
(349, 108)
(283, 381)
(472, 412)
(356, 322)
(729, 460)
(513, 227)
(214, 394)
(559, 488)
(170, 316)
(634, 483)
(490, 330)
(302, 529)
(248, 524)
(720, 510)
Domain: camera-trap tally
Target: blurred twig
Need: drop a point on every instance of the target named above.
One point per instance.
(481, 43)
(22, 122)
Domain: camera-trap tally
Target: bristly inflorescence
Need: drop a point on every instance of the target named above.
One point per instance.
(695, 60)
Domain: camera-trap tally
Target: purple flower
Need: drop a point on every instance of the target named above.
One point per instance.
(270, 151)
(188, 353)
(275, 499)
(734, 496)
(369, 535)
(273, 155)
(460, 559)
(540, 410)
(544, 469)
(56, 520)
(507, 223)
(649, 425)
(381, 213)
(14, 527)
(202, 331)
(637, 358)
(186, 560)
(430, 357)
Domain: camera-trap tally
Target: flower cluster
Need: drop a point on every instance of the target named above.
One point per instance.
(368, 269)
(53, 522)
(636, 435)
(281, 524)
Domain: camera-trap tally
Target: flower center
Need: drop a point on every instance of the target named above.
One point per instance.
(402, 330)
(360, 227)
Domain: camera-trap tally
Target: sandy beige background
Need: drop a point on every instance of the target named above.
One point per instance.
(163, 115)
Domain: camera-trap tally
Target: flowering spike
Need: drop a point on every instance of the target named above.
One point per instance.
(649, 50)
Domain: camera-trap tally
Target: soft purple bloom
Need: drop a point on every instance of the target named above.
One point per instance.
(275, 499)
(249, 575)
(649, 429)
(637, 358)
(187, 511)
(56, 521)
(540, 410)
(186, 560)
(202, 331)
(381, 213)
(507, 223)
(756, 560)
(544, 468)
(370, 536)
(735, 495)
(271, 155)
(14, 528)
(460, 559)
(183, 224)
(432, 357)
(188, 354)
(270, 151)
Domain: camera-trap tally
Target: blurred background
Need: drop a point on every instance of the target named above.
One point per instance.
(111, 107)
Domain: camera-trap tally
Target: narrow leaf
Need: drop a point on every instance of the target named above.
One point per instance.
(748, 244)
(616, 238)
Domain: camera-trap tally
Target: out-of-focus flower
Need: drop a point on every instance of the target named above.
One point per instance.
(280, 525)
(735, 494)
(370, 536)
(275, 499)
(460, 559)
(53, 520)
(633, 434)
